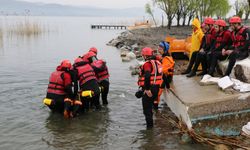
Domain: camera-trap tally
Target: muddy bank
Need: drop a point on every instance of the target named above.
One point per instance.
(131, 42)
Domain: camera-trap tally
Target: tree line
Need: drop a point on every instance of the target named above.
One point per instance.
(185, 10)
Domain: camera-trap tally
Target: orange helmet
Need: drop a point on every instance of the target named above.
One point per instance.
(235, 19)
(93, 49)
(66, 64)
(209, 20)
(221, 23)
(147, 51)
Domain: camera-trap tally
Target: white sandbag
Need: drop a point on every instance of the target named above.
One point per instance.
(246, 128)
(225, 83)
(208, 80)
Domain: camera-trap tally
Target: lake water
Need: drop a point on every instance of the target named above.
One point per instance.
(26, 63)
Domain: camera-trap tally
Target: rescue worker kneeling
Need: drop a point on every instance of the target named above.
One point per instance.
(101, 72)
(60, 96)
(150, 79)
(87, 82)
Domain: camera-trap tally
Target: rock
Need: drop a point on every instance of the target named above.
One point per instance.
(125, 48)
(131, 55)
(124, 52)
(113, 42)
(125, 59)
(135, 46)
(241, 70)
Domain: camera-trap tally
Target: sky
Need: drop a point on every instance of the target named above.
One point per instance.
(120, 4)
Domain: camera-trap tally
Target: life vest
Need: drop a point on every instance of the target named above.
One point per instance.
(237, 37)
(85, 73)
(56, 83)
(168, 66)
(100, 69)
(155, 76)
(219, 38)
(209, 36)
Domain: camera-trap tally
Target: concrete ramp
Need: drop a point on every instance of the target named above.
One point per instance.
(194, 103)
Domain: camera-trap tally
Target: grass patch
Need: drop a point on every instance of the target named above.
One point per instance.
(26, 28)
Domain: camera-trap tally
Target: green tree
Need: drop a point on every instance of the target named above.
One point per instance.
(149, 10)
(221, 8)
(169, 7)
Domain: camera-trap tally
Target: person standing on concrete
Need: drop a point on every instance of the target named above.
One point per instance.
(197, 37)
(240, 46)
(167, 69)
(150, 79)
(201, 56)
(222, 41)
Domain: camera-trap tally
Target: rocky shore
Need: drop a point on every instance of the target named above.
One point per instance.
(131, 42)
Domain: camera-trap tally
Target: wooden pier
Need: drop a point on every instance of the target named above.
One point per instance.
(118, 27)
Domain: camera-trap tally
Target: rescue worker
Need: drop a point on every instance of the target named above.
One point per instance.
(102, 73)
(150, 79)
(197, 37)
(202, 55)
(87, 82)
(167, 69)
(222, 41)
(60, 90)
(240, 46)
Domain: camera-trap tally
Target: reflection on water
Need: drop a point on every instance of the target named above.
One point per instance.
(64, 134)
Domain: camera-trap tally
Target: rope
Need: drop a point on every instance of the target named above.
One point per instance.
(212, 140)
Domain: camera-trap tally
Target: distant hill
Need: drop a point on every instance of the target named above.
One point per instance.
(13, 7)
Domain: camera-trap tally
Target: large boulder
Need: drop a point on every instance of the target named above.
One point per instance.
(241, 70)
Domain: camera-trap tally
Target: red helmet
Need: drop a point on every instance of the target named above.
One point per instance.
(235, 19)
(78, 60)
(221, 23)
(89, 55)
(66, 64)
(209, 21)
(93, 49)
(147, 51)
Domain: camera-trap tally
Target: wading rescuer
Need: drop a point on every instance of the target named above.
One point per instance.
(167, 69)
(87, 82)
(60, 96)
(150, 79)
(101, 71)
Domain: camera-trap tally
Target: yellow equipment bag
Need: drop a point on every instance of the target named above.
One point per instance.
(87, 93)
(47, 101)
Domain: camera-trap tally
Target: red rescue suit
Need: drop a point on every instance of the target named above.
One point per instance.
(155, 75)
(100, 69)
(238, 39)
(56, 83)
(85, 73)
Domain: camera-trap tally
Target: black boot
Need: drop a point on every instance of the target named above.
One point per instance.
(191, 74)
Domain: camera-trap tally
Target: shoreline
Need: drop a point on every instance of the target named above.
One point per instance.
(130, 43)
